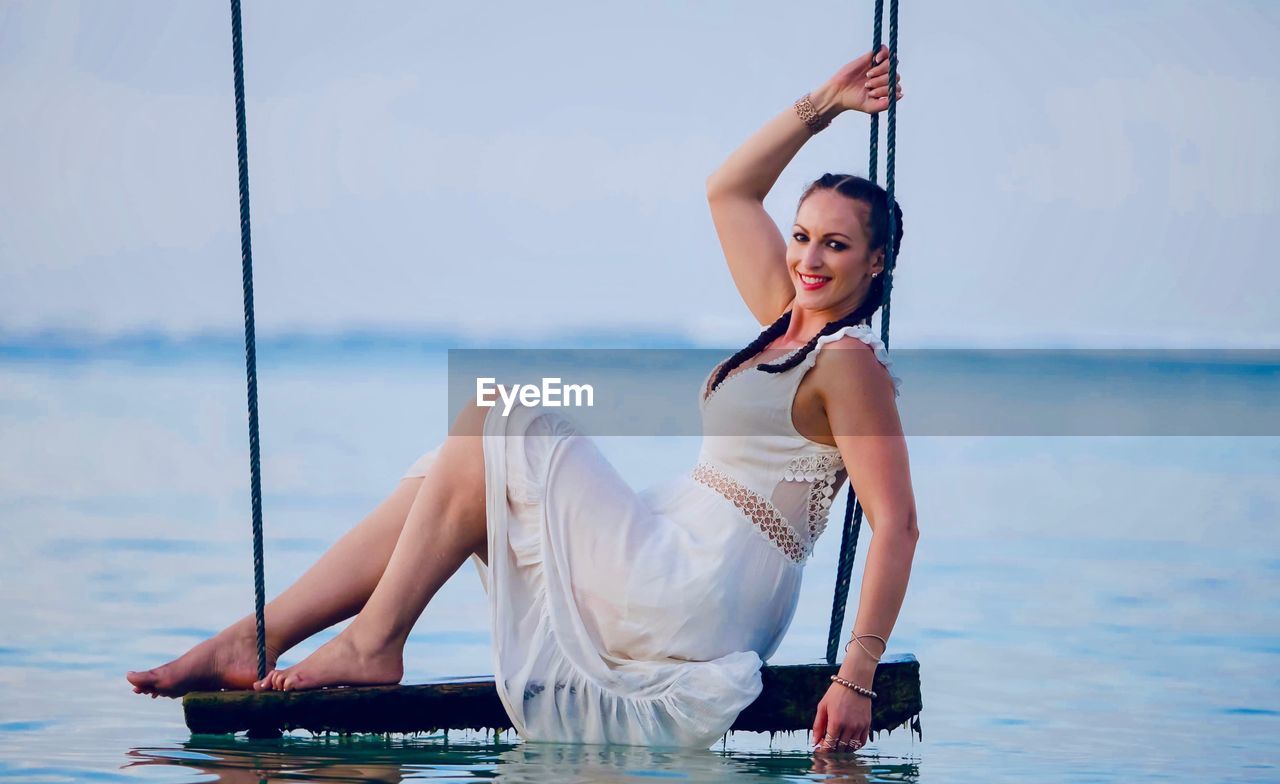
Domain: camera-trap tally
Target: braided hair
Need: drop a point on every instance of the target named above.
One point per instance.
(877, 199)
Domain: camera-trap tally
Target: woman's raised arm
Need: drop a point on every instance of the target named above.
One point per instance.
(753, 246)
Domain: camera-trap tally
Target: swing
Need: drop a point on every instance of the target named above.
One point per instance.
(791, 691)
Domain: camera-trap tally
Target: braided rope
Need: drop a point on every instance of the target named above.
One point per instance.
(250, 354)
(875, 118)
(891, 140)
(853, 509)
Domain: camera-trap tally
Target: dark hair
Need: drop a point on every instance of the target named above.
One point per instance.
(875, 197)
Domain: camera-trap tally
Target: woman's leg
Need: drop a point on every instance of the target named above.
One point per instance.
(445, 526)
(332, 590)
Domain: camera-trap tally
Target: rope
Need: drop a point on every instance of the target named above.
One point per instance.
(890, 259)
(250, 354)
(853, 510)
(875, 118)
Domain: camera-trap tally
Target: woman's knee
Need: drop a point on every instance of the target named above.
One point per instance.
(470, 420)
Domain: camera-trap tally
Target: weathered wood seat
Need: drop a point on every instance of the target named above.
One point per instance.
(791, 693)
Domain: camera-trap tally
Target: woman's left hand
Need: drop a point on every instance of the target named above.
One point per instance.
(863, 84)
(843, 721)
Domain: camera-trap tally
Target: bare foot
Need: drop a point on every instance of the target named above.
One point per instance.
(342, 661)
(228, 660)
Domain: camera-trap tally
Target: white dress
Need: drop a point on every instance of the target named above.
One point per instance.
(644, 617)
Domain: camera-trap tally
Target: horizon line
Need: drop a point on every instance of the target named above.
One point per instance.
(61, 340)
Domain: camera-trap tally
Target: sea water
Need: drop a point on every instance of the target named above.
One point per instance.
(1100, 607)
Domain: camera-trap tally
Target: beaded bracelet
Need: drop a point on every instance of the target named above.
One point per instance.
(809, 113)
(864, 692)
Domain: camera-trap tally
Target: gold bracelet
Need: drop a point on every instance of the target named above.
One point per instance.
(809, 113)
(855, 638)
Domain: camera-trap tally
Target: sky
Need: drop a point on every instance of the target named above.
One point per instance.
(1084, 173)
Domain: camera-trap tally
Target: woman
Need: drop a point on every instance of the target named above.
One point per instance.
(645, 617)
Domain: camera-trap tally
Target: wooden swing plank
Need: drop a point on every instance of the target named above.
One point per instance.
(787, 702)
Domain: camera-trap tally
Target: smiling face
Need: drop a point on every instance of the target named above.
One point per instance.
(827, 257)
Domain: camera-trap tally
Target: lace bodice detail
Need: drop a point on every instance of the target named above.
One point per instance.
(794, 541)
(782, 483)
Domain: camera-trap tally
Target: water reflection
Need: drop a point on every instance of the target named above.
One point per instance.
(437, 757)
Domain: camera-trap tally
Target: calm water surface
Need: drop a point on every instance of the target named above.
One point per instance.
(1084, 609)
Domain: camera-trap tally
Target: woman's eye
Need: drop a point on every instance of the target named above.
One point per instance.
(838, 245)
